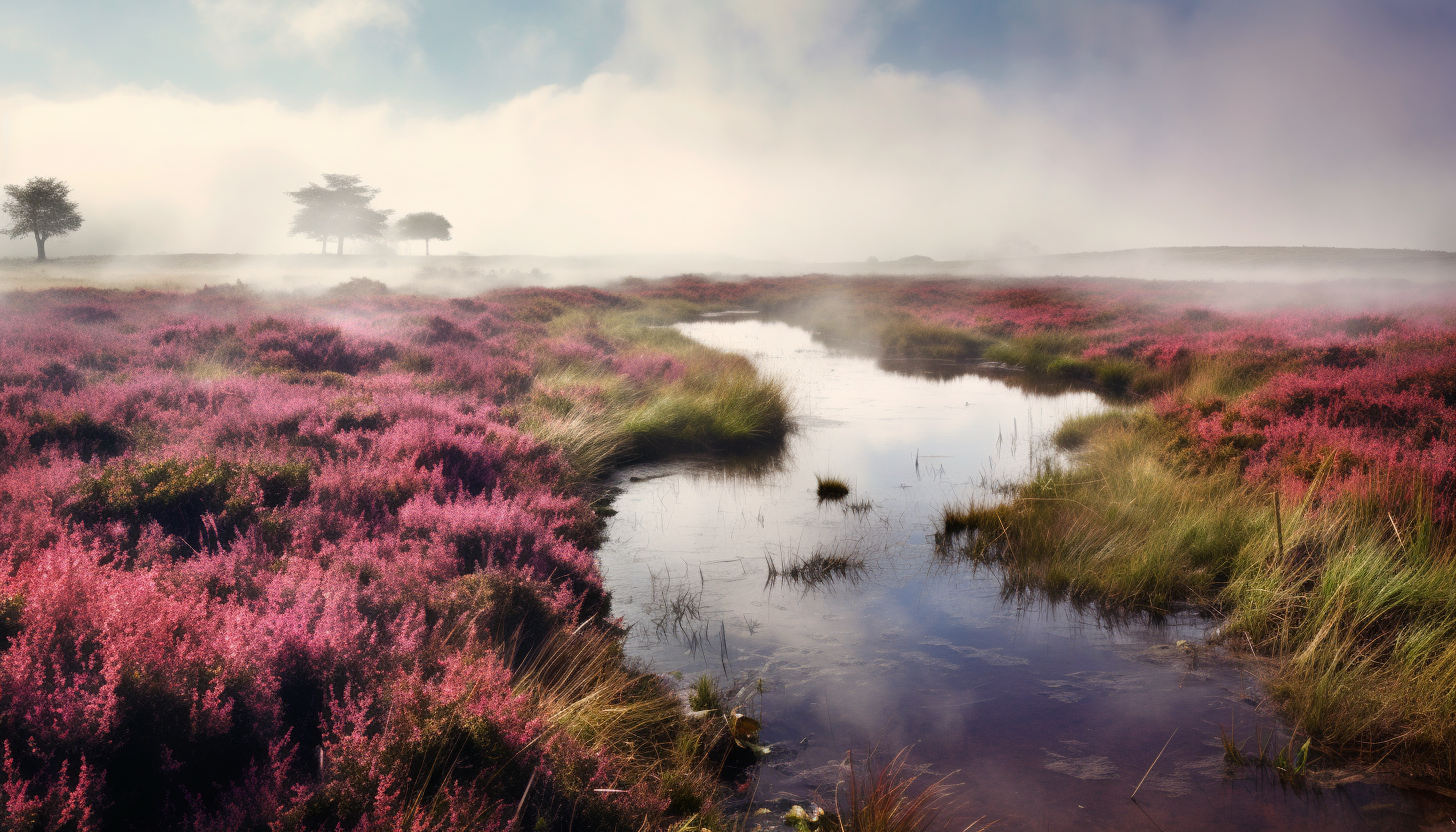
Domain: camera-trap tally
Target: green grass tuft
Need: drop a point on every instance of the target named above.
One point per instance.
(705, 695)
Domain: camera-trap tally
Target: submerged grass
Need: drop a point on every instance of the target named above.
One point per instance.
(1361, 609)
(823, 567)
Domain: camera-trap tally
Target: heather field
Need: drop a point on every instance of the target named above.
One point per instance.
(328, 564)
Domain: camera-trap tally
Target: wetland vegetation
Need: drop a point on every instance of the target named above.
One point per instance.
(329, 563)
(1288, 466)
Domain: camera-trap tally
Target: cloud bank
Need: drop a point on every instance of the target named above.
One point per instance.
(763, 129)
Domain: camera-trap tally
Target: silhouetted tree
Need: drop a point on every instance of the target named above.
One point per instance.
(425, 225)
(42, 208)
(338, 208)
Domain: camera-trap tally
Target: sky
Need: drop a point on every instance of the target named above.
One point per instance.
(806, 130)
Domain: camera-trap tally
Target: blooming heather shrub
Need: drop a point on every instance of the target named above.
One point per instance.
(503, 533)
(256, 573)
(490, 370)
(441, 330)
(1383, 430)
(277, 344)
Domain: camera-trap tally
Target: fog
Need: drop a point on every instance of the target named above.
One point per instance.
(766, 132)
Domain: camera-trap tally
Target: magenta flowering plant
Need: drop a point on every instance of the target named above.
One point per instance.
(279, 565)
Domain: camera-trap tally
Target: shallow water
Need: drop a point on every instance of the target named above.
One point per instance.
(1045, 718)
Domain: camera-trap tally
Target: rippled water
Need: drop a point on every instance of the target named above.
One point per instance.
(1045, 718)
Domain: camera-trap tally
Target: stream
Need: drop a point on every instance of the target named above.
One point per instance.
(1040, 716)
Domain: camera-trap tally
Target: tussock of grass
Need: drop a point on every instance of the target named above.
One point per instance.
(1362, 609)
(886, 799)
(823, 567)
(732, 412)
(969, 518)
(1074, 432)
(1036, 353)
(705, 694)
(590, 695)
(717, 403)
(831, 488)
(913, 338)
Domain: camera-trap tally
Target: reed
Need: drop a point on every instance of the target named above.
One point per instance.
(887, 798)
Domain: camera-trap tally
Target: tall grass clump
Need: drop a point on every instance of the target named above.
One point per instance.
(906, 337)
(1075, 431)
(610, 390)
(888, 798)
(1360, 613)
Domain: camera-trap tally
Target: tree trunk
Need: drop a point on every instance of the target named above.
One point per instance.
(427, 246)
(323, 245)
(341, 244)
(39, 247)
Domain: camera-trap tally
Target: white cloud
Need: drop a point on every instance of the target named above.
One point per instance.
(317, 26)
(754, 129)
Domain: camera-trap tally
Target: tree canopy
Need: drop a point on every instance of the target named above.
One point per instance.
(338, 209)
(423, 225)
(42, 208)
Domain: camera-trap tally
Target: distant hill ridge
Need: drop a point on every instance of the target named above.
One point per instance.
(1204, 263)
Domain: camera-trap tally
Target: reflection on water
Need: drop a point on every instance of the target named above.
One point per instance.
(1048, 717)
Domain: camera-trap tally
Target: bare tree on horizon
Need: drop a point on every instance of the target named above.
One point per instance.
(42, 208)
(338, 208)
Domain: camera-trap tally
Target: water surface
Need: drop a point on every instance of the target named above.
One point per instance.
(1045, 718)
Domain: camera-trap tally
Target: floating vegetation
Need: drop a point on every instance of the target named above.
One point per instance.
(823, 567)
(831, 488)
(859, 507)
(675, 611)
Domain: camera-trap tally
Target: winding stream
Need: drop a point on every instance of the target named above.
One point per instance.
(1046, 718)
